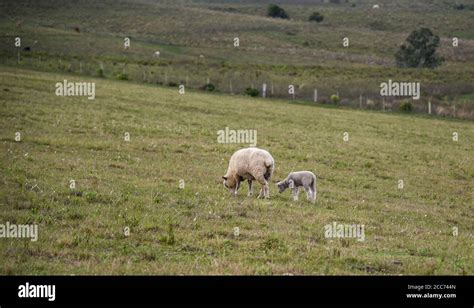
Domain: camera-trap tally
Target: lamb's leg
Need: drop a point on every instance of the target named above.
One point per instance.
(309, 193)
(296, 192)
(313, 196)
(250, 193)
(313, 189)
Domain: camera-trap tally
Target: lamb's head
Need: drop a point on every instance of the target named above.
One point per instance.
(282, 185)
(230, 184)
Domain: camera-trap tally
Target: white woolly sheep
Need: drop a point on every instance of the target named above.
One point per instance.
(296, 180)
(251, 164)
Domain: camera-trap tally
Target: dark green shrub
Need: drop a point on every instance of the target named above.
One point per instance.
(251, 92)
(316, 17)
(419, 50)
(209, 87)
(275, 11)
(406, 106)
(122, 76)
(100, 73)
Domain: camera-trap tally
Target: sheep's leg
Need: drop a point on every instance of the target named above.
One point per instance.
(260, 194)
(250, 193)
(264, 191)
(296, 192)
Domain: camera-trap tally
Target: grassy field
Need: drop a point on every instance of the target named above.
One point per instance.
(278, 52)
(136, 184)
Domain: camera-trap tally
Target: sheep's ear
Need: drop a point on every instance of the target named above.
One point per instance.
(225, 178)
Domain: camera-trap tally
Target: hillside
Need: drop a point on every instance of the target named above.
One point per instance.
(136, 184)
(195, 41)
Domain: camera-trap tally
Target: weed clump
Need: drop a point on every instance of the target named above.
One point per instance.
(100, 73)
(406, 106)
(122, 76)
(209, 87)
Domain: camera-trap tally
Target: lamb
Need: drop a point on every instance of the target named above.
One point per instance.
(296, 180)
(249, 164)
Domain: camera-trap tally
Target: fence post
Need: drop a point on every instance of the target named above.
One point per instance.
(360, 101)
(429, 107)
(454, 110)
(383, 104)
(264, 90)
(315, 98)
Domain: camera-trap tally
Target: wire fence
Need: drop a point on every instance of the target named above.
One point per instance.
(239, 83)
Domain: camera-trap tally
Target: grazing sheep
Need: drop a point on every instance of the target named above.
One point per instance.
(249, 164)
(375, 6)
(295, 180)
(157, 53)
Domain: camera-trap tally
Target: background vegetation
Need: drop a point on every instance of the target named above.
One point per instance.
(196, 44)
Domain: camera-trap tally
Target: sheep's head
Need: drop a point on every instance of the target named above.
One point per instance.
(230, 184)
(282, 185)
